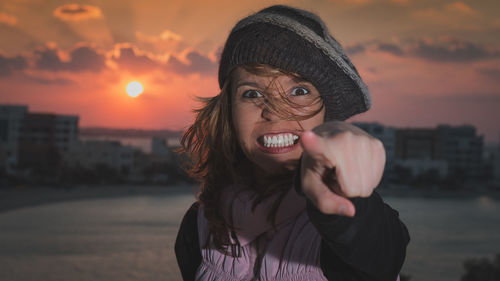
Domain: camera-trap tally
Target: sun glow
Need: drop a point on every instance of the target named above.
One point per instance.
(134, 89)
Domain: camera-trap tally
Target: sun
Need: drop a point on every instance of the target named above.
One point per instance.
(134, 89)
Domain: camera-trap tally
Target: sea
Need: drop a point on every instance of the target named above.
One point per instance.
(132, 238)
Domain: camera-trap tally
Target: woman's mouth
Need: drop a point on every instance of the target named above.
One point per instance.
(278, 143)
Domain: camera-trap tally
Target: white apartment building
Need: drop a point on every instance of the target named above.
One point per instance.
(92, 153)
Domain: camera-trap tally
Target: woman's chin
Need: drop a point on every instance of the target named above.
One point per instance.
(275, 169)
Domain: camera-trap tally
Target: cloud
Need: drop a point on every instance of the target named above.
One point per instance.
(369, 2)
(399, 2)
(495, 24)
(9, 65)
(13, 39)
(391, 49)
(376, 46)
(83, 58)
(46, 81)
(358, 2)
(77, 12)
(355, 49)
(8, 19)
(166, 35)
(456, 14)
(166, 42)
(460, 7)
(452, 50)
(466, 98)
(490, 72)
(131, 59)
(136, 61)
(125, 57)
(444, 49)
(195, 63)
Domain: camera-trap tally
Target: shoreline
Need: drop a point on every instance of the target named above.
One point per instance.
(403, 191)
(15, 198)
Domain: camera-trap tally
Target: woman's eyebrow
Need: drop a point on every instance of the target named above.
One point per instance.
(300, 81)
(247, 83)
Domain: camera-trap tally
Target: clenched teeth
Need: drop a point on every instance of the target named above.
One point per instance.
(280, 140)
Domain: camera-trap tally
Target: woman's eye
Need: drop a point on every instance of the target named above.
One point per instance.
(252, 94)
(299, 91)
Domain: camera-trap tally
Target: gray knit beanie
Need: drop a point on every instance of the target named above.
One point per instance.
(298, 41)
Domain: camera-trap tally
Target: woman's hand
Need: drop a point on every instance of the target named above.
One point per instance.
(340, 161)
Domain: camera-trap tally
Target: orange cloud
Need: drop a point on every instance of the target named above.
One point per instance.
(8, 19)
(495, 24)
(10, 64)
(166, 42)
(359, 1)
(365, 2)
(81, 58)
(191, 62)
(166, 35)
(448, 13)
(353, 3)
(400, 2)
(133, 60)
(456, 15)
(460, 7)
(77, 12)
(445, 49)
(137, 61)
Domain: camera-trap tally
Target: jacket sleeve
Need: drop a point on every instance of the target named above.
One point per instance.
(369, 246)
(187, 246)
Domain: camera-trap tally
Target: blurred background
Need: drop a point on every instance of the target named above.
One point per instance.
(94, 96)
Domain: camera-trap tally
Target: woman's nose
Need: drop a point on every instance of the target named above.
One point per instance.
(268, 114)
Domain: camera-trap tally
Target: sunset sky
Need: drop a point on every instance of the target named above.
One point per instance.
(426, 62)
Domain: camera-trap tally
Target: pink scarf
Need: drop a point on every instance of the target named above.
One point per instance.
(248, 223)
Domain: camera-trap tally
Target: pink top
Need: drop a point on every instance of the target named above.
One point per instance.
(289, 252)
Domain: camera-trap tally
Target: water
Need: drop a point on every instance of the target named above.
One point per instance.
(109, 239)
(132, 238)
(446, 232)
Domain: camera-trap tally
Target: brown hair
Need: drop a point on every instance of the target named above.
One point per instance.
(217, 160)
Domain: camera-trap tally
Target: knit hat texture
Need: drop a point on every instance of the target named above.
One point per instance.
(298, 41)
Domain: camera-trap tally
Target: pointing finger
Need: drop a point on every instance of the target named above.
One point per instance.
(334, 204)
(316, 148)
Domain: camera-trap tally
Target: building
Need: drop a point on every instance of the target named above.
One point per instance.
(417, 143)
(462, 150)
(11, 117)
(387, 135)
(45, 139)
(491, 163)
(496, 166)
(163, 149)
(424, 166)
(93, 154)
(34, 140)
(449, 150)
(160, 148)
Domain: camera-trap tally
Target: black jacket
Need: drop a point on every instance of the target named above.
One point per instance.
(369, 246)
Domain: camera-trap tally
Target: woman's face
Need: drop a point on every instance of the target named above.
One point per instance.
(270, 142)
